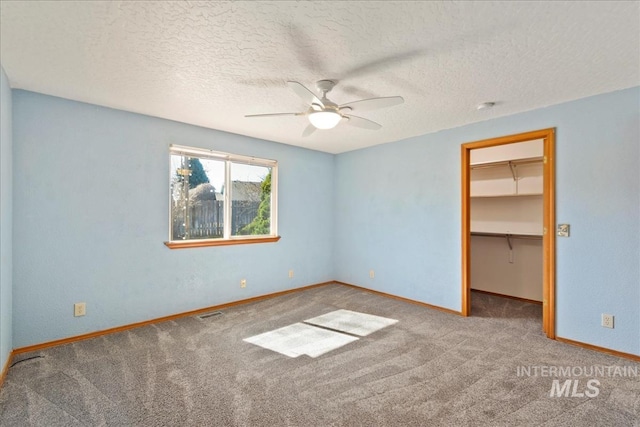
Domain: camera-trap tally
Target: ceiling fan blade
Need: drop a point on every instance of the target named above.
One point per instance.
(275, 114)
(373, 103)
(304, 46)
(362, 123)
(308, 130)
(377, 65)
(304, 93)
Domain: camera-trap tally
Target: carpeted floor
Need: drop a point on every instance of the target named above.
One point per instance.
(428, 369)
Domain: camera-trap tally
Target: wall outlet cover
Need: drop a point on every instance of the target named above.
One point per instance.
(79, 309)
(607, 320)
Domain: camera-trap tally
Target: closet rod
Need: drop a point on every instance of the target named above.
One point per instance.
(507, 235)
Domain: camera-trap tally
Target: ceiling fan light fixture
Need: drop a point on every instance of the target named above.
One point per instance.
(324, 119)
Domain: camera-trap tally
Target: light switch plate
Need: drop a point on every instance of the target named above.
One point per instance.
(563, 230)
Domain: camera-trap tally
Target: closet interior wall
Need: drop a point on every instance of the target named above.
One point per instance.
(507, 219)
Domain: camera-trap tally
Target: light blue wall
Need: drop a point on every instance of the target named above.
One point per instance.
(598, 193)
(398, 213)
(91, 215)
(6, 208)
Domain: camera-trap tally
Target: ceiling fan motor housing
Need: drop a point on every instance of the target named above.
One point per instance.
(326, 114)
(325, 86)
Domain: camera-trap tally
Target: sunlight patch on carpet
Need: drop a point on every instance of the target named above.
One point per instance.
(351, 322)
(297, 339)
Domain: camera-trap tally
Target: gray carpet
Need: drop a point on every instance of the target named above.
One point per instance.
(429, 369)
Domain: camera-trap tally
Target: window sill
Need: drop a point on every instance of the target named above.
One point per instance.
(184, 244)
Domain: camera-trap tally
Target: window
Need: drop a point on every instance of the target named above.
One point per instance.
(221, 199)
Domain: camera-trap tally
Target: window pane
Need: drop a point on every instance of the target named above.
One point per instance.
(250, 200)
(197, 198)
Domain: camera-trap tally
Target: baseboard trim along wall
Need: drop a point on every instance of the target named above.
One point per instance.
(69, 340)
(411, 301)
(507, 296)
(42, 346)
(599, 349)
(5, 368)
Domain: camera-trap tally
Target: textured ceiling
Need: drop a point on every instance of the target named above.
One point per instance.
(210, 63)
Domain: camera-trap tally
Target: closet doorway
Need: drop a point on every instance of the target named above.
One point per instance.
(544, 160)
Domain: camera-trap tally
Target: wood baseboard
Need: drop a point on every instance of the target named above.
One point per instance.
(507, 296)
(63, 341)
(411, 301)
(5, 368)
(42, 346)
(446, 310)
(599, 349)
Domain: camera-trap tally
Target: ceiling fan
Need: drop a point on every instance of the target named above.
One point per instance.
(325, 114)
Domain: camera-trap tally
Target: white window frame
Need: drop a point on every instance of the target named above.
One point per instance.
(228, 158)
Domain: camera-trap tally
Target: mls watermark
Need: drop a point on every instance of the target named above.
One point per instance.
(579, 381)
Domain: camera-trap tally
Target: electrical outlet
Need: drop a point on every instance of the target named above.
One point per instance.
(79, 309)
(243, 283)
(372, 274)
(290, 274)
(607, 320)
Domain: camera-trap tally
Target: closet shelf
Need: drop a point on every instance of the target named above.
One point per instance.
(518, 177)
(509, 235)
(507, 163)
(487, 196)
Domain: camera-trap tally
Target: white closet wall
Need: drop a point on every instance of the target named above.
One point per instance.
(492, 271)
(504, 215)
(506, 201)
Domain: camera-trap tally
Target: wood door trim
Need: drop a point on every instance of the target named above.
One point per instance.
(549, 237)
(548, 240)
